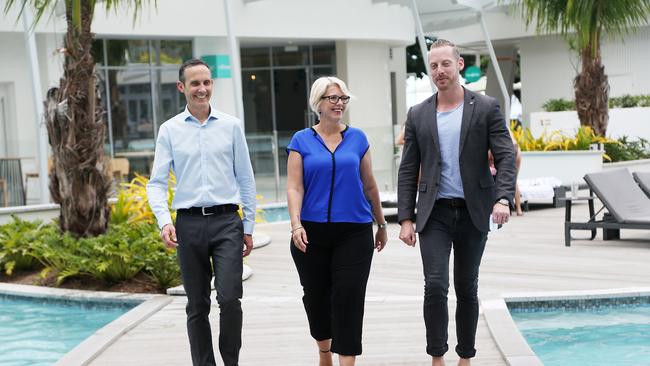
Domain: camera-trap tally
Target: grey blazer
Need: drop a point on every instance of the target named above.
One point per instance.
(483, 128)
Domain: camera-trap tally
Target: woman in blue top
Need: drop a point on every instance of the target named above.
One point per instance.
(332, 198)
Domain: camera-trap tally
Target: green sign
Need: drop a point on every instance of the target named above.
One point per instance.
(472, 74)
(219, 65)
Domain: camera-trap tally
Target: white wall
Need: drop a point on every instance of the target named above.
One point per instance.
(547, 71)
(548, 68)
(367, 74)
(14, 72)
(265, 19)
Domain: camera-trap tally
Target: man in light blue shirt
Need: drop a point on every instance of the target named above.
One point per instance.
(207, 151)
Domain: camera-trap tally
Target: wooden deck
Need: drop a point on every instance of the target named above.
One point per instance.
(527, 255)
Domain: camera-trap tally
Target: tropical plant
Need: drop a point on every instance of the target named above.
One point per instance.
(626, 149)
(558, 105)
(583, 23)
(79, 181)
(17, 241)
(624, 101)
(132, 205)
(584, 138)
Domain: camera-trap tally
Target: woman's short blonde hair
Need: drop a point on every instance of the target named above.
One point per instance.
(319, 88)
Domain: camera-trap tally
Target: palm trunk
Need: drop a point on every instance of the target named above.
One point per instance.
(79, 181)
(592, 92)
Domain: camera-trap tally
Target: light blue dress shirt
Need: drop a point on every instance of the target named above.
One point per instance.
(449, 123)
(210, 162)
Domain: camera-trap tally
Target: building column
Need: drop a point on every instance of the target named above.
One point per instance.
(366, 68)
(223, 90)
(507, 57)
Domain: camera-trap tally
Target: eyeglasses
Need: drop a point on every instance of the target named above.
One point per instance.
(335, 99)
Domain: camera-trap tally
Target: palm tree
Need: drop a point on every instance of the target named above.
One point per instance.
(583, 23)
(80, 180)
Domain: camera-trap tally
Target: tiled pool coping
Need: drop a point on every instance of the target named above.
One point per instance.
(92, 346)
(512, 345)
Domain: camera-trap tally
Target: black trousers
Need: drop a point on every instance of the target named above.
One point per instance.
(333, 274)
(451, 227)
(201, 238)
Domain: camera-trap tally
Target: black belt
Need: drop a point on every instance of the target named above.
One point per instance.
(205, 211)
(451, 202)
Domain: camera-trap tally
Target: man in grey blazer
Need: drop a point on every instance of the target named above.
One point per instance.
(445, 162)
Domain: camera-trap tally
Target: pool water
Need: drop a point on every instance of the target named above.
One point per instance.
(275, 214)
(37, 331)
(608, 336)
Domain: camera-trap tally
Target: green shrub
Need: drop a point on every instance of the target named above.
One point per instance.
(555, 140)
(558, 105)
(120, 254)
(624, 101)
(17, 241)
(625, 150)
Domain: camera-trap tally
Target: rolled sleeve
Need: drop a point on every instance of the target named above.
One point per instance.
(158, 183)
(245, 178)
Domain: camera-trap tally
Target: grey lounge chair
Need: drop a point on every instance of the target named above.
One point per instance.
(628, 205)
(643, 178)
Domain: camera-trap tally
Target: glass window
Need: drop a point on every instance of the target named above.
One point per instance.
(323, 55)
(255, 57)
(290, 55)
(97, 50)
(172, 52)
(322, 71)
(256, 86)
(171, 100)
(123, 52)
(131, 111)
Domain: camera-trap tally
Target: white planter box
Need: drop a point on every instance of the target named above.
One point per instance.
(632, 165)
(631, 122)
(567, 166)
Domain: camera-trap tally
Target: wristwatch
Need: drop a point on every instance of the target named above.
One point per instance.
(504, 202)
(381, 226)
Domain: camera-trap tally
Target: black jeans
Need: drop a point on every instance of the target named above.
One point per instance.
(218, 237)
(333, 274)
(451, 227)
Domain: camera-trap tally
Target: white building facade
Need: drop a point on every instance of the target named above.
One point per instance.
(284, 45)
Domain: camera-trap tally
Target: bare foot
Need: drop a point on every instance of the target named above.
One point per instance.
(520, 213)
(463, 362)
(437, 361)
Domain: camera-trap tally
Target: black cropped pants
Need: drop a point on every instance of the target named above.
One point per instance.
(333, 274)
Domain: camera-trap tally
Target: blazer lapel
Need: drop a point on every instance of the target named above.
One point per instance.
(468, 110)
(434, 124)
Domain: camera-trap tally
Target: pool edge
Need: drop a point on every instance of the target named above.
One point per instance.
(91, 347)
(509, 340)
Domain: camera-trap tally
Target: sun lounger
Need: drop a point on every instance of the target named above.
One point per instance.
(643, 178)
(628, 207)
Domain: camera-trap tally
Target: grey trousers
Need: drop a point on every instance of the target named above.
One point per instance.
(451, 228)
(201, 238)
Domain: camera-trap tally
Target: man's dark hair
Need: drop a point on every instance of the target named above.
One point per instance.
(189, 63)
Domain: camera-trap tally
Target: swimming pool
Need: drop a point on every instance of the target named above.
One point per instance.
(39, 331)
(613, 331)
(275, 213)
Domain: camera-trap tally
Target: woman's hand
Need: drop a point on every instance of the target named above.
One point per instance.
(299, 238)
(381, 237)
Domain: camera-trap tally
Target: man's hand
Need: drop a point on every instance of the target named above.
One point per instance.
(500, 213)
(407, 233)
(248, 244)
(168, 235)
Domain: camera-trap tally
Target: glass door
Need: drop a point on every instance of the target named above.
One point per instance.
(291, 108)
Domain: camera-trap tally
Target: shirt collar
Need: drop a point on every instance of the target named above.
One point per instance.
(187, 116)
